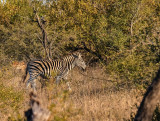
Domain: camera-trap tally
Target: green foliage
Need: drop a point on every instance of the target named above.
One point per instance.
(124, 35)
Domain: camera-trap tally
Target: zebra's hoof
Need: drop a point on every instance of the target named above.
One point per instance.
(69, 89)
(27, 86)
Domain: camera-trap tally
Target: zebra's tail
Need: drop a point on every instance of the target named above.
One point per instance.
(25, 76)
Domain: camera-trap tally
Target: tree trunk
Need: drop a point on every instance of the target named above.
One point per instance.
(150, 100)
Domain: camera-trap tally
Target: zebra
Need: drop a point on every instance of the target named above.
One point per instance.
(45, 68)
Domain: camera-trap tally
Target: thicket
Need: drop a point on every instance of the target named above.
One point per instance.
(123, 35)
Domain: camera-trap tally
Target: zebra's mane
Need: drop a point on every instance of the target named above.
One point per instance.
(75, 54)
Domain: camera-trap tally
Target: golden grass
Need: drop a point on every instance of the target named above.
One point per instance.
(93, 98)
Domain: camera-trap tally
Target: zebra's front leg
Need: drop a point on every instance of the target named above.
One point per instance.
(33, 84)
(31, 81)
(58, 78)
(69, 87)
(63, 75)
(65, 78)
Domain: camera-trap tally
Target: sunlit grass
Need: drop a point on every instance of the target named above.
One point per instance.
(90, 98)
(10, 101)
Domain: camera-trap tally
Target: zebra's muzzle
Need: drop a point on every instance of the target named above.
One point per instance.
(83, 69)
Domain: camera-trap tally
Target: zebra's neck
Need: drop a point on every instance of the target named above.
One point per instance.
(69, 62)
(66, 63)
(56, 65)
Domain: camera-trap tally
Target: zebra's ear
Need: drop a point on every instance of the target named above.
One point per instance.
(77, 54)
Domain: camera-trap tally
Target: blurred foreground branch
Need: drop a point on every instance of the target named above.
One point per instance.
(36, 112)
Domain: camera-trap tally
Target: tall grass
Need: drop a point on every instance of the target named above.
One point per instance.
(94, 97)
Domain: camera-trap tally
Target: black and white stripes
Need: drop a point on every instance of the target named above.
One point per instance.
(45, 68)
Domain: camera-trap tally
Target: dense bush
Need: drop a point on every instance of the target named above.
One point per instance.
(122, 35)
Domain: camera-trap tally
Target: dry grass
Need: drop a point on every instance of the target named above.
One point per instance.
(99, 99)
(93, 98)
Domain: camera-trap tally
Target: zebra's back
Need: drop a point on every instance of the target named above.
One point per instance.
(44, 67)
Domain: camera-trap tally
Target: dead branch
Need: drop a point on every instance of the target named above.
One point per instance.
(41, 23)
(89, 50)
(83, 46)
(36, 112)
(150, 100)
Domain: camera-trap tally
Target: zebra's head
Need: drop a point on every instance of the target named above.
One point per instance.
(79, 60)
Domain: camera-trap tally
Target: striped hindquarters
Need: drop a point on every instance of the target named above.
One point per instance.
(42, 67)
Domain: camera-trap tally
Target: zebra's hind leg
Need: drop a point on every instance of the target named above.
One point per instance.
(33, 85)
(31, 81)
(28, 82)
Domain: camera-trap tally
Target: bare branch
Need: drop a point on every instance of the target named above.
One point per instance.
(39, 39)
(89, 50)
(41, 23)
